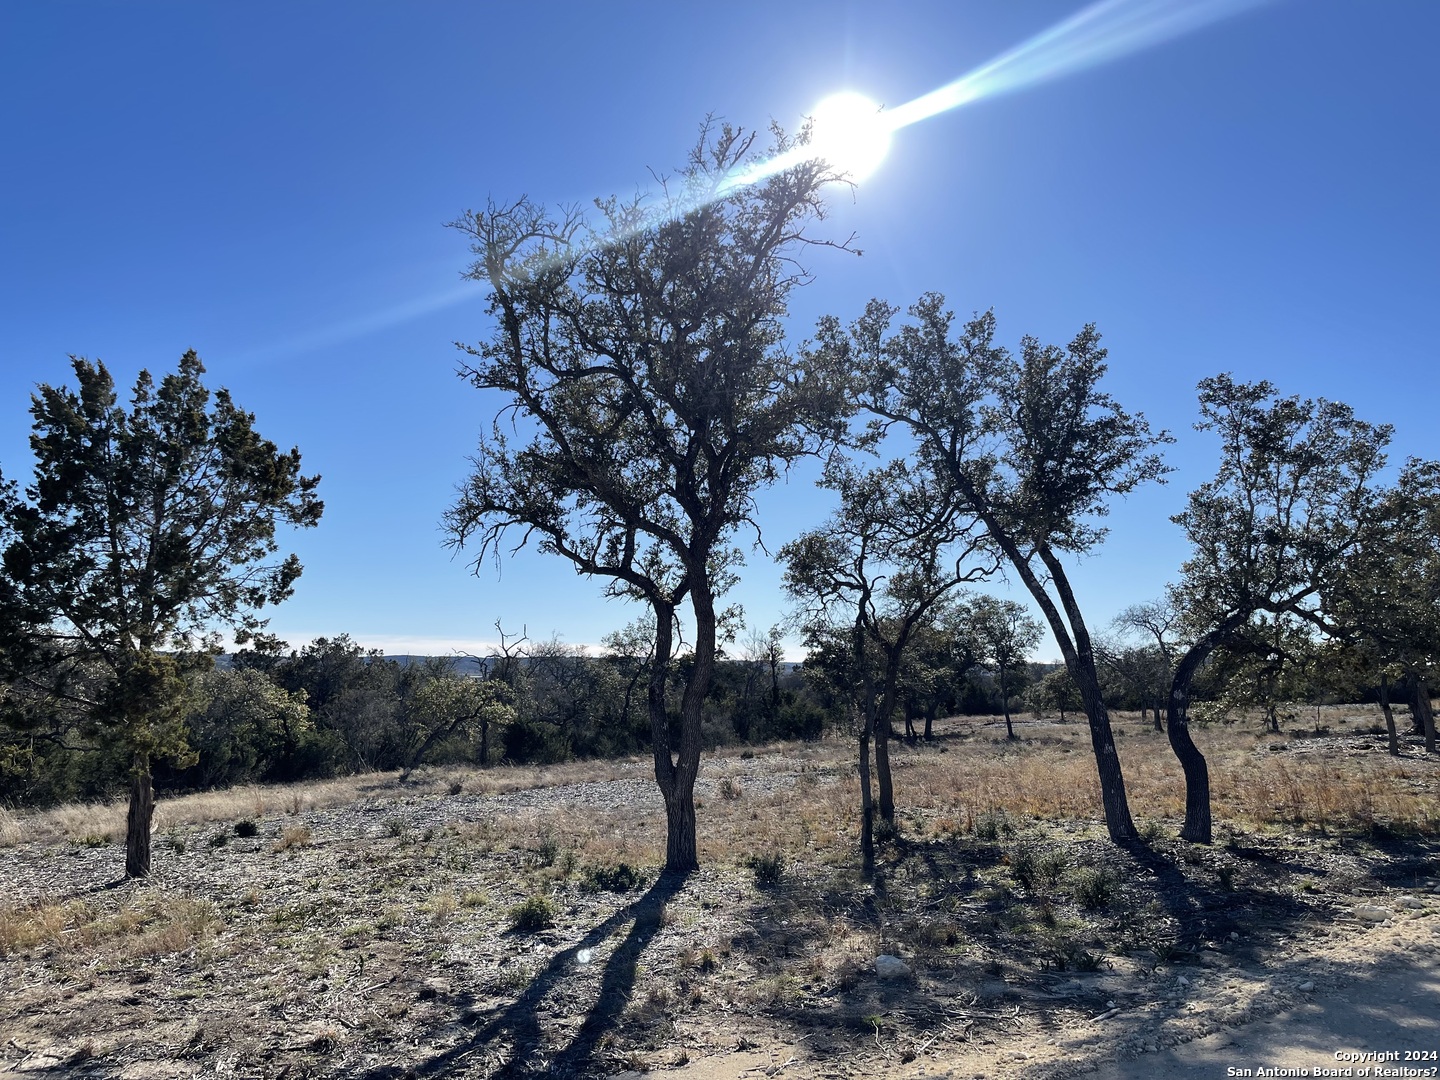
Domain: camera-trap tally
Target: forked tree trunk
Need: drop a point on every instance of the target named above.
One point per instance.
(139, 819)
(675, 773)
(1392, 736)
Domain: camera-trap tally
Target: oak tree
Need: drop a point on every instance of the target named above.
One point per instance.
(1004, 634)
(648, 395)
(882, 568)
(1291, 500)
(1033, 447)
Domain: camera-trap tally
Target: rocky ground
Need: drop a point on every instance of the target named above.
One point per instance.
(458, 925)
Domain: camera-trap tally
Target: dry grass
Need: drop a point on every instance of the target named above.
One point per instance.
(148, 925)
(292, 837)
(105, 822)
(353, 918)
(10, 830)
(1048, 774)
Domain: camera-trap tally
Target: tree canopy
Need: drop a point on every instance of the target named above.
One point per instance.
(147, 529)
(650, 393)
(1031, 445)
(1293, 495)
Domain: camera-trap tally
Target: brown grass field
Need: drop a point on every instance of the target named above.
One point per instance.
(510, 922)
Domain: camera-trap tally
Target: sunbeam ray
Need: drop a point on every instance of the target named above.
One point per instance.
(1102, 32)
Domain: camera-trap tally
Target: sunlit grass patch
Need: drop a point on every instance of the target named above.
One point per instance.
(153, 925)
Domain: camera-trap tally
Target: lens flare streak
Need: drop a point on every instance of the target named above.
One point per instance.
(1104, 31)
(1101, 32)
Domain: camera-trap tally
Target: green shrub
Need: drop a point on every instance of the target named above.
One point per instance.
(1050, 866)
(547, 849)
(532, 914)
(1094, 888)
(992, 825)
(1024, 866)
(768, 869)
(619, 878)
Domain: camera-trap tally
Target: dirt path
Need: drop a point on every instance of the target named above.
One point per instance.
(1391, 1008)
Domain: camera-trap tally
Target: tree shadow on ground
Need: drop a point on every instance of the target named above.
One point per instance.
(518, 1023)
(984, 945)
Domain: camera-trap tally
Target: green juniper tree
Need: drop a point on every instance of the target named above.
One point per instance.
(146, 530)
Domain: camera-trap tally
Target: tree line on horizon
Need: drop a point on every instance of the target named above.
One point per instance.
(651, 391)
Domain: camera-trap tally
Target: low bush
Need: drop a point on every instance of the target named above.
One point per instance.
(620, 878)
(532, 914)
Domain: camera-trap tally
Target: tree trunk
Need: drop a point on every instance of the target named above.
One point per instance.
(930, 724)
(1426, 711)
(1005, 705)
(139, 819)
(1417, 714)
(676, 778)
(1080, 660)
(1392, 736)
(867, 805)
(681, 855)
(882, 770)
(1107, 762)
(1197, 827)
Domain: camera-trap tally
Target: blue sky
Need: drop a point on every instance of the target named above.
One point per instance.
(267, 183)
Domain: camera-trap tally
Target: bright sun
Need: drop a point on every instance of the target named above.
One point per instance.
(850, 134)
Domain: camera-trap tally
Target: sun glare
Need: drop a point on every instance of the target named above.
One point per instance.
(850, 133)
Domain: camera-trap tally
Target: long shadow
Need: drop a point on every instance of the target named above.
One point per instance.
(1203, 912)
(517, 1022)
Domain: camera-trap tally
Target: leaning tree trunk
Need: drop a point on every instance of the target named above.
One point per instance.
(139, 819)
(1197, 827)
(1080, 660)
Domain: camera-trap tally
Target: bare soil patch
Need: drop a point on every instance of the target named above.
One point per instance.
(512, 922)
